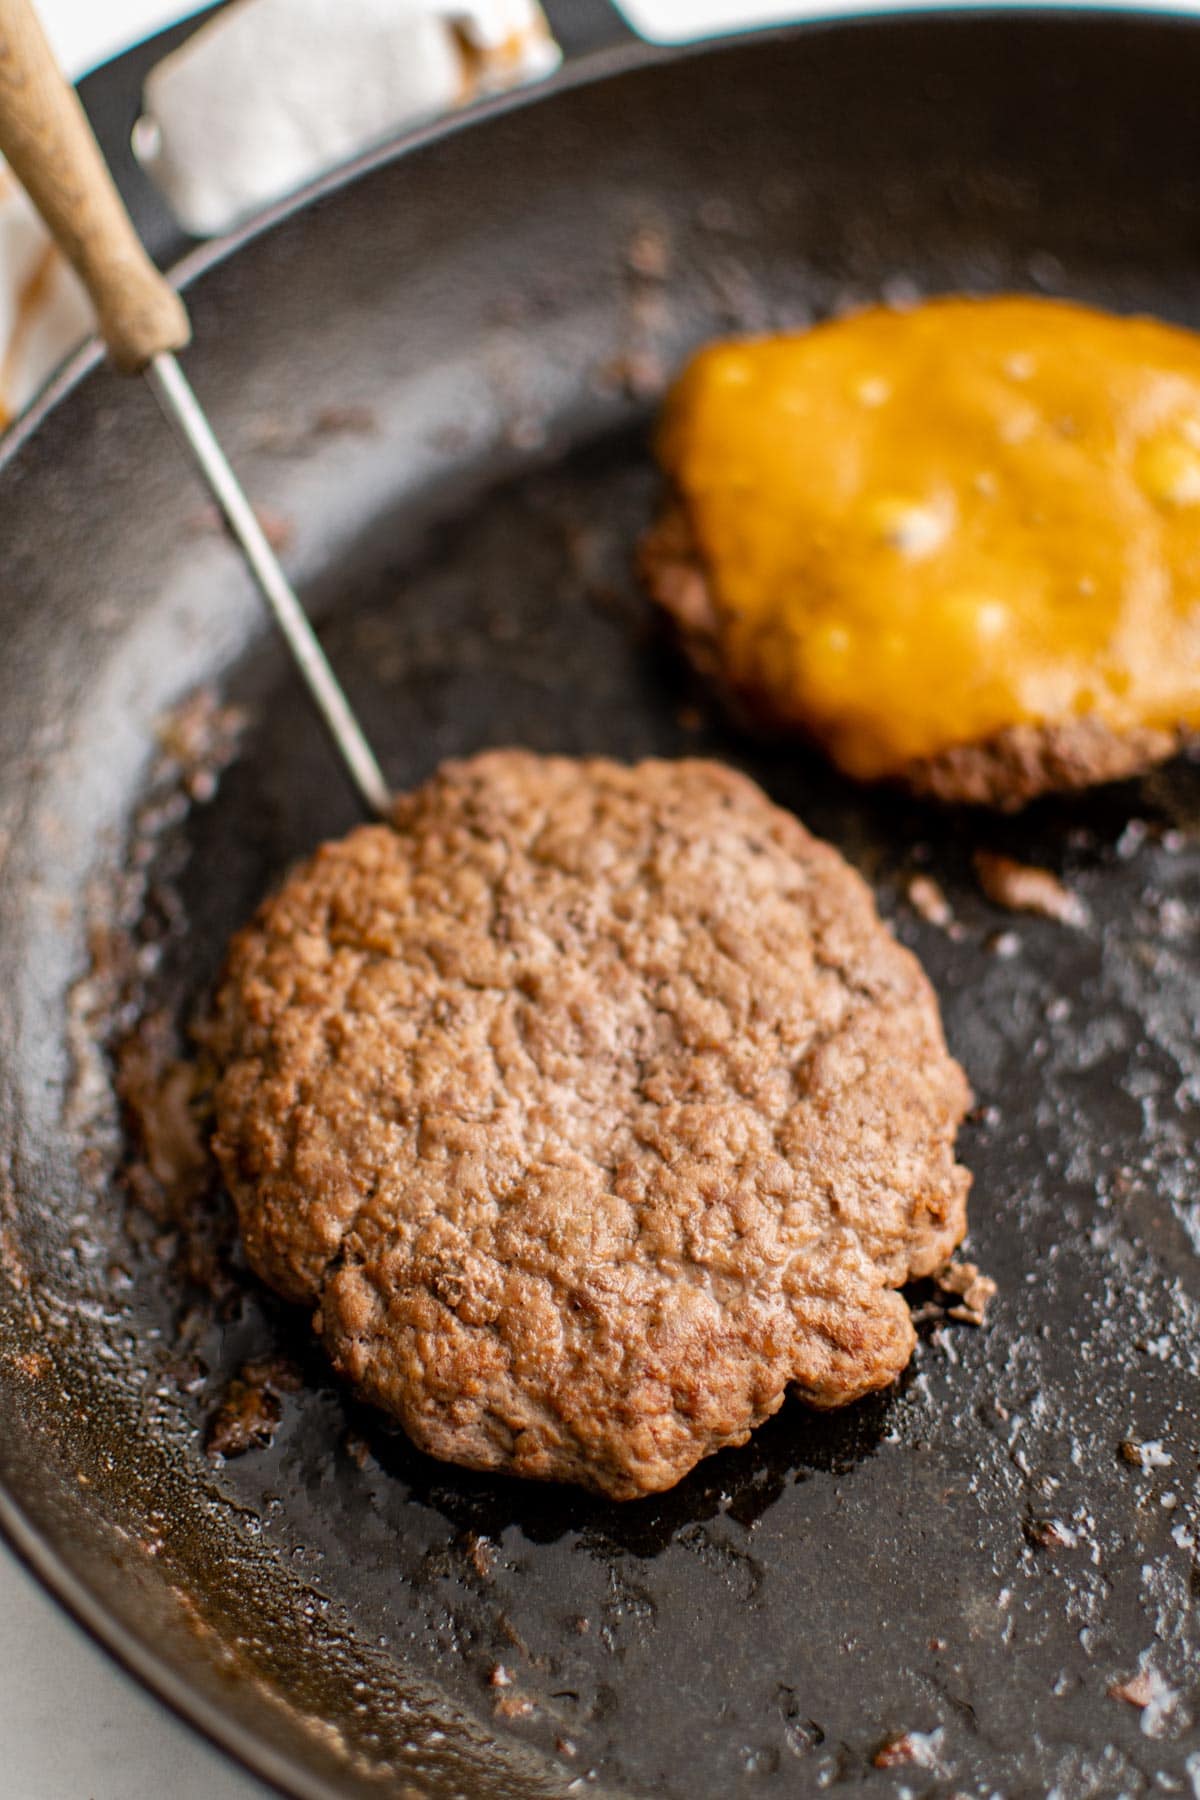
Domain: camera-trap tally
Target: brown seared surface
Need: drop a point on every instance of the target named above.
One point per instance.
(1005, 771)
(251, 1407)
(590, 1108)
(1014, 767)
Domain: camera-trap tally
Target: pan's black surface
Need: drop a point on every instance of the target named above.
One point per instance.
(333, 1607)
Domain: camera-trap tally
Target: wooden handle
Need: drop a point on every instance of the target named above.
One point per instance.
(47, 140)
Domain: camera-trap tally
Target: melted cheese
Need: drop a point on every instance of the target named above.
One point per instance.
(922, 528)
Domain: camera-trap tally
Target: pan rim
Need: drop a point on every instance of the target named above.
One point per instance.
(38, 1552)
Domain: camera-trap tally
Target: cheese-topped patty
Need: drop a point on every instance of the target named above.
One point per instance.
(958, 545)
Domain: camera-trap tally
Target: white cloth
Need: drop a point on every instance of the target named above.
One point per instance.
(270, 93)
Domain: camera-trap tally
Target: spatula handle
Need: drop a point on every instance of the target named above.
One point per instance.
(45, 136)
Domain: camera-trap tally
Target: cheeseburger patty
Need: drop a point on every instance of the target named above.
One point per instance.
(589, 1109)
(957, 547)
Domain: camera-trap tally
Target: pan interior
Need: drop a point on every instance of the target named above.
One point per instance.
(439, 383)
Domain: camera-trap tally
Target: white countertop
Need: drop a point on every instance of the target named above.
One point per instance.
(85, 34)
(75, 1727)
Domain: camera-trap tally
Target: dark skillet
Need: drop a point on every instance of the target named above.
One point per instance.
(972, 1558)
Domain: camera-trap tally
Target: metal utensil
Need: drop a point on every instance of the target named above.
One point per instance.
(45, 135)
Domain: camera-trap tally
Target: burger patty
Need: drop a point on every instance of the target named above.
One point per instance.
(590, 1108)
(956, 546)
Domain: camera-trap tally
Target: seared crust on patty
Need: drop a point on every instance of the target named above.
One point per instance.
(590, 1107)
(1006, 771)
(1017, 765)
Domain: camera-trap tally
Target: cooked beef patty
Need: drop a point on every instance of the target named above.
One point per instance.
(590, 1108)
(956, 546)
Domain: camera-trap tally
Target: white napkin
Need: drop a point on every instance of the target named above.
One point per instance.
(271, 92)
(266, 95)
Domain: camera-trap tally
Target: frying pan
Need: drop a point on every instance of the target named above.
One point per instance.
(435, 371)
